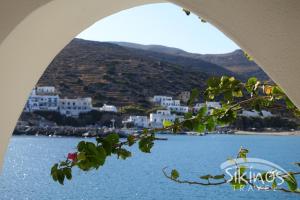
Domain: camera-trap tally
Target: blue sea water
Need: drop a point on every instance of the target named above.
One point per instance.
(25, 175)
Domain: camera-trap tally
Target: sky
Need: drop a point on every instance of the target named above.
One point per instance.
(163, 24)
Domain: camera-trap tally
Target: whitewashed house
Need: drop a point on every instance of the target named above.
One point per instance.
(42, 99)
(157, 119)
(166, 103)
(138, 121)
(158, 99)
(179, 109)
(73, 107)
(209, 104)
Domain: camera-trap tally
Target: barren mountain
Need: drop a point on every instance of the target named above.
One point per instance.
(122, 74)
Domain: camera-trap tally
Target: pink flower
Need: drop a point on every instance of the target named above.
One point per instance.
(72, 156)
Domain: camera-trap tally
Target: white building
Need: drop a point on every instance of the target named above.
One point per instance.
(42, 98)
(108, 108)
(73, 107)
(166, 103)
(209, 104)
(138, 121)
(264, 113)
(157, 119)
(159, 99)
(179, 109)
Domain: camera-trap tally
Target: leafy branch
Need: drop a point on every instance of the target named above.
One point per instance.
(234, 97)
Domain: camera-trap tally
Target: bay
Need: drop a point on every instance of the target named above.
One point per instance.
(26, 170)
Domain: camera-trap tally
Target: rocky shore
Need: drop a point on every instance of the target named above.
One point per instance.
(66, 131)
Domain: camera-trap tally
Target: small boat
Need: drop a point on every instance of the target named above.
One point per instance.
(193, 133)
(87, 134)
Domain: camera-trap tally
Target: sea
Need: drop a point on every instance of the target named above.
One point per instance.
(26, 171)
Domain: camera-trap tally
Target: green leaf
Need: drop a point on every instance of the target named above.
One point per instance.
(277, 90)
(194, 95)
(174, 174)
(60, 176)
(167, 123)
(250, 84)
(113, 138)
(188, 115)
(81, 146)
(131, 140)
(203, 21)
(248, 56)
(100, 156)
(291, 181)
(206, 177)
(54, 172)
(200, 128)
(243, 153)
(123, 153)
(81, 156)
(107, 145)
(289, 103)
(210, 124)
(213, 82)
(187, 12)
(145, 144)
(231, 79)
(252, 81)
(68, 173)
(237, 93)
(188, 124)
(217, 177)
(202, 112)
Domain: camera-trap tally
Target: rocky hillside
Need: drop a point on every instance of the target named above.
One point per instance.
(235, 61)
(122, 74)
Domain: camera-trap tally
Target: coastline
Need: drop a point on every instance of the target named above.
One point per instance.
(283, 133)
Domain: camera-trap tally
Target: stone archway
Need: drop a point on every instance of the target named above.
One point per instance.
(34, 31)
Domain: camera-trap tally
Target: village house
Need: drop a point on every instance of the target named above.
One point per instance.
(209, 104)
(170, 104)
(167, 103)
(179, 109)
(74, 107)
(138, 121)
(159, 99)
(46, 98)
(157, 119)
(42, 98)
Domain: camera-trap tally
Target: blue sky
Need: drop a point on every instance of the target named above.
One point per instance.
(163, 24)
